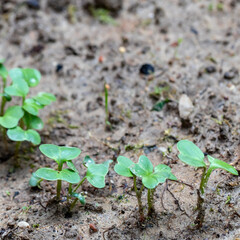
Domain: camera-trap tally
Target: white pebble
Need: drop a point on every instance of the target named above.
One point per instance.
(23, 224)
(185, 106)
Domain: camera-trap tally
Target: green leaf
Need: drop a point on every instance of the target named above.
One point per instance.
(47, 174)
(150, 179)
(164, 172)
(107, 163)
(19, 88)
(32, 121)
(88, 161)
(216, 163)
(11, 117)
(16, 74)
(190, 154)
(59, 154)
(34, 180)
(31, 76)
(18, 134)
(67, 175)
(80, 197)
(33, 137)
(159, 105)
(72, 166)
(123, 166)
(31, 106)
(3, 71)
(45, 98)
(143, 168)
(96, 174)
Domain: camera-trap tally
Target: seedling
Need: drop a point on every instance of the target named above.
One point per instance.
(95, 175)
(103, 15)
(61, 155)
(151, 178)
(107, 122)
(22, 120)
(190, 154)
(95, 172)
(176, 45)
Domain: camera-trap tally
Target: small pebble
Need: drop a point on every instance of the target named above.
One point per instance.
(230, 74)
(34, 4)
(59, 67)
(185, 106)
(92, 228)
(147, 69)
(122, 49)
(210, 69)
(11, 224)
(194, 30)
(23, 225)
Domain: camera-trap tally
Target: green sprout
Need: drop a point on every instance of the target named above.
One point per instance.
(107, 122)
(190, 154)
(95, 172)
(61, 155)
(20, 122)
(178, 43)
(103, 16)
(151, 178)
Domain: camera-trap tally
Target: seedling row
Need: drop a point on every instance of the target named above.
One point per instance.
(20, 122)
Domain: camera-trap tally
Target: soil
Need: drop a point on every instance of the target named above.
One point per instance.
(87, 53)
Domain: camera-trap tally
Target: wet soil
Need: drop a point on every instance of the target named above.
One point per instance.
(204, 65)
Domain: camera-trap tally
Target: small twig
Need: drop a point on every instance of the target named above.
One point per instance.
(108, 229)
(42, 205)
(162, 196)
(105, 143)
(161, 73)
(176, 200)
(179, 181)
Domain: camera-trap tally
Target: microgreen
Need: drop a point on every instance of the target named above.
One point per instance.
(95, 175)
(159, 105)
(190, 154)
(11, 117)
(107, 122)
(151, 177)
(18, 134)
(103, 15)
(61, 154)
(21, 120)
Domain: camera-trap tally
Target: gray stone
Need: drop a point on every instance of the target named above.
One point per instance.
(185, 106)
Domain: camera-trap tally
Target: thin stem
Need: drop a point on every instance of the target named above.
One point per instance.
(75, 201)
(150, 201)
(201, 209)
(139, 196)
(202, 184)
(21, 121)
(3, 98)
(106, 101)
(59, 182)
(107, 122)
(2, 113)
(3, 105)
(76, 188)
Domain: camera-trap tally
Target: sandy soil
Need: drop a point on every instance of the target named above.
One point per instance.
(204, 66)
